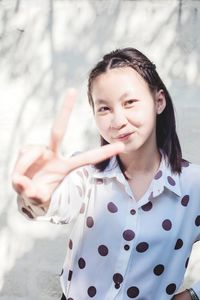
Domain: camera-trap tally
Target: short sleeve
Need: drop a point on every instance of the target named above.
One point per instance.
(65, 203)
(29, 209)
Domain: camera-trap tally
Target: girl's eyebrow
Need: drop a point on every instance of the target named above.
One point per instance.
(124, 95)
(100, 101)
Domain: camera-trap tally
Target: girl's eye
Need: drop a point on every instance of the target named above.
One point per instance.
(103, 109)
(130, 102)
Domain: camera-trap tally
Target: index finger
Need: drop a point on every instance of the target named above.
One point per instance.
(61, 121)
(95, 156)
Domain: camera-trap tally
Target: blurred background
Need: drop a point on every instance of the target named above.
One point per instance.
(48, 46)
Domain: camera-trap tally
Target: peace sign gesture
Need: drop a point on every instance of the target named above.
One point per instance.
(39, 169)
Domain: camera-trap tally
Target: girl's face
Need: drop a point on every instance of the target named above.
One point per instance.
(124, 108)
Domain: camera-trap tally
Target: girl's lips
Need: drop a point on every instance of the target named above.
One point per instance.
(123, 137)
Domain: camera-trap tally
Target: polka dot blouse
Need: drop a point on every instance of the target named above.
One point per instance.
(119, 248)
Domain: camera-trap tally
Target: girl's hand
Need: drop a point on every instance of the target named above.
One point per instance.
(182, 296)
(39, 169)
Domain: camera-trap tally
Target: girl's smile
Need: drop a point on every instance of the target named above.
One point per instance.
(124, 137)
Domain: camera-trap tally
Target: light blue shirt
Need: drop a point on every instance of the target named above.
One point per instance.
(120, 248)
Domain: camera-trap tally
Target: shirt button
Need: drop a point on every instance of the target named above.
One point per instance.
(132, 211)
(126, 247)
(117, 285)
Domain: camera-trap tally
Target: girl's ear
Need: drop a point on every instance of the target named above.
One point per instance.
(160, 101)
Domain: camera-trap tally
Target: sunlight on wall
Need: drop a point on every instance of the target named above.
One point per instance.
(47, 46)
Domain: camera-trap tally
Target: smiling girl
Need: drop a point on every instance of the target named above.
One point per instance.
(133, 203)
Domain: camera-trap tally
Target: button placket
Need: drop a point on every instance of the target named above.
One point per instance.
(132, 213)
(125, 252)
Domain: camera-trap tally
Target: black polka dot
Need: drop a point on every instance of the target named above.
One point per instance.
(142, 247)
(179, 244)
(171, 288)
(112, 207)
(167, 224)
(82, 210)
(70, 244)
(99, 181)
(185, 200)
(90, 222)
(117, 278)
(70, 299)
(133, 292)
(128, 235)
(186, 263)
(81, 263)
(27, 212)
(171, 180)
(185, 164)
(79, 190)
(103, 250)
(158, 270)
(197, 221)
(148, 206)
(158, 175)
(70, 275)
(92, 291)
(132, 211)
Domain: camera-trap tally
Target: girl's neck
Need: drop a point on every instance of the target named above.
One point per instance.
(140, 162)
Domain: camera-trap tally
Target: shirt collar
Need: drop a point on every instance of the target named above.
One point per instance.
(164, 177)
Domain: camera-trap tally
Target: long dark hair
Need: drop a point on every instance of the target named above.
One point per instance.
(166, 135)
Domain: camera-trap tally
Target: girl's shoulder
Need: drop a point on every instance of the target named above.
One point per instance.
(190, 173)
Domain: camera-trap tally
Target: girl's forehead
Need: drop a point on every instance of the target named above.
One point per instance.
(122, 80)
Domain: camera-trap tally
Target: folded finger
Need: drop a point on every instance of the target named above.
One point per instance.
(22, 184)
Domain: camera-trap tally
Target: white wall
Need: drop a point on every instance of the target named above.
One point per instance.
(47, 46)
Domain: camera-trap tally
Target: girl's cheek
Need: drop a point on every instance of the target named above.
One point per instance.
(102, 124)
(136, 119)
(143, 116)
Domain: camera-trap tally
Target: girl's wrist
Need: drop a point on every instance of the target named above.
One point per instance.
(184, 295)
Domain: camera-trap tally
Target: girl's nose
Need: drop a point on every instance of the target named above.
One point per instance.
(119, 120)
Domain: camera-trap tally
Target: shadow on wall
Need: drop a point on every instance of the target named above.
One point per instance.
(31, 284)
(45, 48)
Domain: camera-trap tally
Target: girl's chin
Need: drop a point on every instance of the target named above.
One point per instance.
(129, 150)
(133, 148)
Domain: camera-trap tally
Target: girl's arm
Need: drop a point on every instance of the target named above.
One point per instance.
(39, 170)
(185, 295)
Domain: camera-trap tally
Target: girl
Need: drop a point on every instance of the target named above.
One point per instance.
(134, 203)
